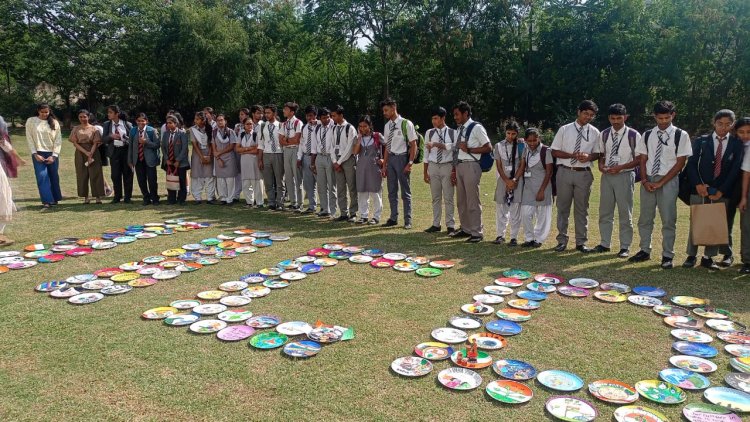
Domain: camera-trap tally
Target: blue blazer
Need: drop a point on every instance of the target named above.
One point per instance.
(180, 149)
(150, 148)
(700, 167)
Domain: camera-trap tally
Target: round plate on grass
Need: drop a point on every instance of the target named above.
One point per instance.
(179, 320)
(483, 359)
(319, 252)
(728, 397)
(335, 246)
(726, 326)
(235, 333)
(211, 294)
(461, 379)
(235, 301)
(692, 363)
(660, 391)
(702, 412)
(671, 310)
(741, 364)
(517, 274)
(549, 279)
(340, 255)
(50, 286)
(124, 277)
(572, 291)
(442, 265)
(184, 304)
(488, 299)
(97, 284)
(613, 391)
(371, 252)
(498, 290)
(488, 341)
(688, 322)
(688, 301)
(263, 321)
(734, 338)
(326, 262)
(433, 350)
(618, 287)
(693, 336)
(713, 313)
(700, 350)
(419, 260)
(610, 296)
(256, 291)
(510, 392)
(21, 265)
(142, 282)
(294, 328)
(65, 292)
(302, 349)
(361, 259)
(411, 366)
(382, 263)
(352, 249)
(649, 291)
(207, 326)
(429, 272)
(395, 256)
(48, 259)
(233, 286)
(293, 276)
(310, 268)
(638, 414)
(504, 328)
(117, 289)
(465, 322)
(515, 315)
(524, 304)
(234, 315)
(209, 309)
(641, 300)
(449, 335)
(738, 381)
(406, 266)
(86, 298)
(511, 283)
(276, 284)
(541, 287)
(477, 309)
(571, 409)
(159, 313)
(514, 369)
(687, 380)
(529, 295)
(584, 283)
(325, 334)
(738, 350)
(560, 380)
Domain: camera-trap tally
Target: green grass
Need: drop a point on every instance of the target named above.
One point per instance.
(102, 362)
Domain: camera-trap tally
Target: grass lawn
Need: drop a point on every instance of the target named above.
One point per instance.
(103, 362)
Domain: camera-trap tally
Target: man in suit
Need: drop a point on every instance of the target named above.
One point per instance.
(712, 171)
(116, 136)
(143, 157)
(174, 151)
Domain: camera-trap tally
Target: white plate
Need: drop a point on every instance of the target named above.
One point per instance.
(207, 326)
(235, 300)
(294, 328)
(449, 335)
(489, 299)
(86, 298)
(210, 309)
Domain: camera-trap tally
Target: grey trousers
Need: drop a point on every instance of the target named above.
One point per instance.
(709, 251)
(346, 182)
(616, 189)
(308, 182)
(745, 236)
(573, 188)
(442, 191)
(665, 199)
(273, 174)
(396, 178)
(292, 179)
(326, 180)
(468, 176)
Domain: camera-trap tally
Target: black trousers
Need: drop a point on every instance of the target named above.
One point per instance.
(179, 196)
(147, 182)
(122, 175)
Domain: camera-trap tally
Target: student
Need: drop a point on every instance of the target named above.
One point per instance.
(472, 142)
(322, 165)
(88, 162)
(438, 166)
(174, 152)
(45, 141)
(243, 114)
(662, 154)
(401, 150)
(143, 157)
(289, 139)
(201, 159)
(256, 115)
(369, 151)
(344, 136)
(7, 206)
(742, 131)
(226, 166)
(617, 165)
(712, 172)
(536, 190)
(304, 157)
(271, 159)
(117, 139)
(252, 178)
(508, 156)
(575, 146)
(164, 125)
(210, 120)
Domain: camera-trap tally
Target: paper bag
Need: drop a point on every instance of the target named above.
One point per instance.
(708, 224)
(173, 180)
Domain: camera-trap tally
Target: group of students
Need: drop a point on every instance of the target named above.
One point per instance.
(339, 165)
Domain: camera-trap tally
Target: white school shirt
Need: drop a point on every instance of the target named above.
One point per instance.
(292, 126)
(715, 137)
(325, 133)
(343, 135)
(398, 144)
(307, 131)
(446, 136)
(265, 141)
(122, 130)
(477, 138)
(745, 157)
(668, 153)
(625, 154)
(565, 140)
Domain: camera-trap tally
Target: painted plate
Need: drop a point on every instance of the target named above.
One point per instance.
(8, 254)
(504, 328)
(261, 235)
(253, 278)
(235, 315)
(514, 369)
(613, 391)
(124, 277)
(340, 255)
(65, 292)
(262, 243)
(310, 268)
(610, 296)
(51, 285)
(465, 322)
(433, 350)
(671, 310)
(517, 274)
(419, 260)
(372, 252)
(729, 398)
(382, 263)
(302, 349)
(235, 301)
(107, 272)
(508, 282)
(142, 282)
(541, 287)
(166, 275)
(734, 338)
(276, 284)
(173, 252)
(510, 392)
(246, 249)
(21, 265)
(532, 296)
(36, 254)
(256, 291)
(573, 291)
(351, 249)
(184, 304)
(97, 284)
(461, 379)
(524, 304)
(154, 259)
(641, 300)
(361, 259)
(515, 315)
(449, 335)
(692, 363)
(48, 259)
(334, 246)
(442, 265)
(192, 247)
(429, 272)
(124, 239)
(549, 279)
(80, 278)
(560, 380)
(159, 313)
(406, 266)
(477, 309)
(149, 270)
(233, 286)
(235, 333)
(179, 320)
(326, 262)
(131, 266)
(411, 366)
(738, 381)
(288, 264)
(660, 391)
(687, 380)
(211, 241)
(395, 256)
(207, 326)
(293, 276)
(702, 412)
(713, 313)
(691, 335)
(325, 334)
(488, 299)
(688, 322)
(649, 291)
(86, 298)
(36, 247)
(688, 301)
(263, 321)
(738, 350)
(271, 271)
(584, 283)
(319, 252)
(638, 414)
(498, 290)
(209, 309)
(188, 267)
(211, 295)
(571, 409)
(488, 341)
(117, 289)
(695, 349)
(294, 328)
(726, 326)
(618, 287)
(741, 364)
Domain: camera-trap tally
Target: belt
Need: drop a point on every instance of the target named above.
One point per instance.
(468, 161)
(306, 153)
(433, 162)
(575, 168)
(397, 155)
(291, 146)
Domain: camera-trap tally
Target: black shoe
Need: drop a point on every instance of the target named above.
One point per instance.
(709, 263)
(474, 239)
(459, 234)
(641, 256)
(197, 202)
(374, 222)
(115, 201)
(727, 261)
(272, 208)
(529, 244)
(623, 253)
(155, 203)
(127, 201)
(513, 242)
(324, 214)
(600, 249)
(689, 262)
(499, 240)
(390, 223)
(666, 263)
(342, 217)
(745, 269)
(583, 249)
(537, 244)
(451, 230)
(146, 202)
(432, 229)
(280, 208)
(308, 211)
(560, 247)
(181, 203)
(213, 202)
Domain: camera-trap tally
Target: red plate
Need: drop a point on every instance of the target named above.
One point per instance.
(318, 252)
(107, 272)
(79, 252)
(382, 263)
(55, 257)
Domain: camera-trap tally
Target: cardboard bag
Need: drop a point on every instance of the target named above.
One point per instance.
(173, 180)
(708, 224)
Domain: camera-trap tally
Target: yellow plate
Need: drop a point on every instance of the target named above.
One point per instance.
(124, 277)
(174, 252)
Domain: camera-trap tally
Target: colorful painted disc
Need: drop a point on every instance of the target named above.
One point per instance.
(638, 414)
(310, 268)
(738, 350)
(81, 278)
(738, 381)
(477, 309)
(21, 265)
(302, 349)
(671, 310)
(271, 271)
(461, 379)
(48, 259)
(728, 397)
(395, 256)
(571, 409)
(741, 364)
(692, 363)
(293, 276)
(36, 247)
(340, 255)
(263, 321)
(433, 350)
(235, 333)
(660, 391)
(188, 267)
(97, 284)
(261, 235)
(515, 315)
(244, 231)
(524, 304)
(514, 369)
(294, 328)
(234, 301)
(649, 291)
(192, 247)
(50, 286)
(234, 315)
(465, 322)
(373, 252)
(532, 296)
(411, 366)
(211, 294)
(684, 322)
(584, 283)
(688, 301)
(159, 313)
(124, 239)
(131, 266)
(734, 338)
(488, 341)
(517, 274)
(687, 380)
(319, 252)
(233, 286)
(442, 265)
(243, 240)
(289, 264)
(166, 275)
(498, 290)
(155, 259)
(86, 298)
(326, 262)
(209, 309)
(573, 291)
(713, 313)
(419, 260)
(691, 335)
(449, 335)
(228, 244)
(488, 299)
(65, 292)
(481, 360)
(144, 235)
(246, 249)
(508, 282)
(211, 241)
(351, 249)
(256, 291)
(325, 334)
(4, 269)
(647, 301)
(726, 326)
(253, 278)
(124, 277)
(406, 266)
(173, 252)
(262, 243)
(37, 254)
(509, 392)
(537, 286)
(618, 287)
(549, 278)
(184, 304)
(703, 412)
(207, 326)
(560, 380)
(170, 264)
(429, 272)
(504, 328)
(278, 238)
(10, 260)
(276, 284)
(611, 296)
(117, 289)
(695, 349)
(613, 391)
(361, 259)
(142, 282)
(382, 263)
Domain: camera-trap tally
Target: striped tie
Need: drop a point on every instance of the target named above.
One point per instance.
(308, 144)
(171, 147)
(719, 155)
(140, 147)
(323, 139)
(440, 150)
(657, 155)
(390, 136)
(577, 148)
(616, 139)
(270, 137)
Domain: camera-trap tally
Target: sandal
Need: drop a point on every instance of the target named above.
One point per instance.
(87, 201)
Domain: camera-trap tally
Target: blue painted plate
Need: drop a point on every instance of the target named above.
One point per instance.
(529, 295)
(649, 291)
(695, 349)
(517, 370)
(504, 328)
(687, 380)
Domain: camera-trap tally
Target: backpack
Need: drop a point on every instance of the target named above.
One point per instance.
(684, 190)
(419, 157)
(632, 135)
(543, 158)
(486, 160)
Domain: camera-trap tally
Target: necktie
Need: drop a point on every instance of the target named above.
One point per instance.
(308, 144)
(171, 147)
(577, 149)
(140, 146)
(460, 139)
(390, 136)
(338, 141)
(657, 154)
(271, 127)
(718, 157)
(440, 151)
(616, 139)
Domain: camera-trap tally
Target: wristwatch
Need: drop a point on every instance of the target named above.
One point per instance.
(411, 162)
